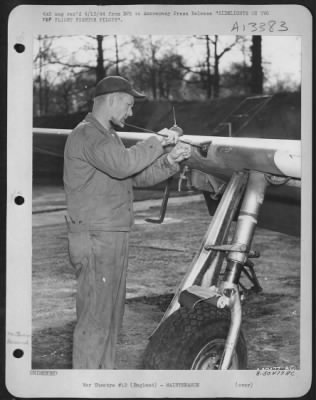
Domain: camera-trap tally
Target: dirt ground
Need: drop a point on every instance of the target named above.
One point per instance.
(159, 257)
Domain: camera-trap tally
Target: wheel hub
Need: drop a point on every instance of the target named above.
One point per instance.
(209, 357)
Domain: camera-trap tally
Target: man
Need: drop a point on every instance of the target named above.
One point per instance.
(99, 173)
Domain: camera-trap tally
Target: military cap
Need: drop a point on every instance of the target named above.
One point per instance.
(112, 84)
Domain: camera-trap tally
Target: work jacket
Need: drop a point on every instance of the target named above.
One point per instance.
(99, 175)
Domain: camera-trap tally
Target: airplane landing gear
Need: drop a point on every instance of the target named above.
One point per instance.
(201, 328)
(194, 340)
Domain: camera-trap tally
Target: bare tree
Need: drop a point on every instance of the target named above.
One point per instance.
(42, 86)
(211, 81)
(208, 67)
(103, 67)
(257, 77)
(68, 77)
(217, 56)
(156, 68)
(58, 70)
(170, 76)
(204, 68)
(147, 63)
(117, 58)
(100, 69)
(153, 69)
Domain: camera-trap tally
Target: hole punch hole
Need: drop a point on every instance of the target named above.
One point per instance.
(19, 47)
(19, 200)
(18, 353)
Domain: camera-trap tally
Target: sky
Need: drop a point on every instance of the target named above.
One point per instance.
(284, 63)
(281, 54)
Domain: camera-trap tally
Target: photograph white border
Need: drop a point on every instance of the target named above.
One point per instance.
(25, 22)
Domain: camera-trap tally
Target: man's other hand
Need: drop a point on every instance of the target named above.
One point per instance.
(169, 137)
(180, 152)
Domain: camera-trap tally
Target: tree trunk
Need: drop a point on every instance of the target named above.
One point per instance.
(116, 56)
(216, 77)
(161, 83)
(100, 70)
(208, 68)
(256, 84)
(153, 70)
(46, 96)
(40, 88)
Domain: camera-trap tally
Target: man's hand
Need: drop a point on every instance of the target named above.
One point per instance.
(170, 136)
(180, 152)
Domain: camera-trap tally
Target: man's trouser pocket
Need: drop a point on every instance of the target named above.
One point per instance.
(79, 249)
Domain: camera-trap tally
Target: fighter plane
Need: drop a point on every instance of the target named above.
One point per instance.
(244, 182)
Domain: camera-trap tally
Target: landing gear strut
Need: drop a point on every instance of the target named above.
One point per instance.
(204, 331)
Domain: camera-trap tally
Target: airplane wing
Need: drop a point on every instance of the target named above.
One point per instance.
(219, 157)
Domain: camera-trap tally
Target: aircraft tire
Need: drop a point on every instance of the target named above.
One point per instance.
(193, 340)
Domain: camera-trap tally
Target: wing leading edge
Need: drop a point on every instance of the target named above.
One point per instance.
(223, 155)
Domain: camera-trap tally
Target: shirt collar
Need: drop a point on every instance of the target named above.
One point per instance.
(90, 118)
